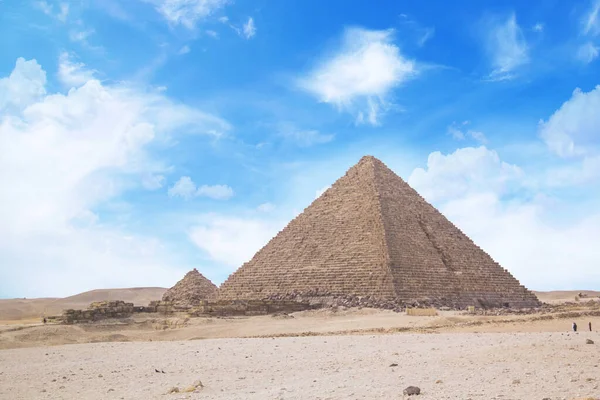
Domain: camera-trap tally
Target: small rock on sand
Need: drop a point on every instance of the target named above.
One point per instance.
(412, 391)
(589, 341)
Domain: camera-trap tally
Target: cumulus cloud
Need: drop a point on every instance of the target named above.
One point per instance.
(187, 12)
(186, 189)
(184, 50)
(232, 241)
(25, 85)
(506, 47)
(360, 75)
(64, 155)
(573, 129)
(467, 169)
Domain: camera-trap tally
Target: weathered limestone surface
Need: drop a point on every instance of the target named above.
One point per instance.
(191, 290)
(247, 307)
(371, 234)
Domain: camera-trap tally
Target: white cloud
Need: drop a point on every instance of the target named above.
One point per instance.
(573, 129)
(467, 169)
(212, 33)
(232, 241)
(360, 76)
(507, 47)
(81, 36)
(186, 189)
(539, 27)
(591, 20)
(184, 50)
(469, 185)
(249, 29)
(459, 133)
(64, 12)
(187, 12)
(48, 9)
(73, 74)
(217, 192)
(24, 86)
(64, 155)
(303, 137)
(588, 52)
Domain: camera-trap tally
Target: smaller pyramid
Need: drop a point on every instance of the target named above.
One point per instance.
(192, 289)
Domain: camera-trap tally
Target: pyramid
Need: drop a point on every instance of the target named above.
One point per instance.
(190, 290)
(371, 234)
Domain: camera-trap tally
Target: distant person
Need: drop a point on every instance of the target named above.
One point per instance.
(590, 325)
(44, 320)
(574, 327)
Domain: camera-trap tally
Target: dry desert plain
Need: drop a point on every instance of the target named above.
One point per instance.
(318, 354)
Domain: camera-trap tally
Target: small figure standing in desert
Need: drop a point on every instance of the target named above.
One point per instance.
(590, 325)
(574, 327)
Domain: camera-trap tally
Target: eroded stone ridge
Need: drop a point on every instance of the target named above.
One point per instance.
(371, 234)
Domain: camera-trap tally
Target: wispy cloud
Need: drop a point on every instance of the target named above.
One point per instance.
(61, 14)
(539, 27)
(506, 47)
(588, 52)
(591, 19)
(186, 189)
(461, 132)
(303, 137)
(249, 29)
(359, 76)
(184, 50)
(187, 12)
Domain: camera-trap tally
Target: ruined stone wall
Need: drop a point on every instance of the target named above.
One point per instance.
(98, 311)
(336, 246)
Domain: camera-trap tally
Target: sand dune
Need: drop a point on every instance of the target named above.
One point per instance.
(22, 309)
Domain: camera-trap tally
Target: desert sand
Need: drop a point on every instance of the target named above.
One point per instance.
(317, 354)
(444, 366)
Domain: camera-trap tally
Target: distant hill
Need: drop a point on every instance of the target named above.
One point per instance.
(18, 309)
(562, 296)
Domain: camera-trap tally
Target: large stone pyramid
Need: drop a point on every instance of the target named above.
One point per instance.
(190, 290)
(371, 234)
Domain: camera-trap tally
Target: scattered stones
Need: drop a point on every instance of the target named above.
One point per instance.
(439, 381)
(412, 391)
(174, 389)
(589, 341)
(393, 365)
(516, 382)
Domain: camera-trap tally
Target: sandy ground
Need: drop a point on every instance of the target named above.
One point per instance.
(319, 354)
(445, 366)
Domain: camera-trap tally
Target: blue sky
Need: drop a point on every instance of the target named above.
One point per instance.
(142, 138)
